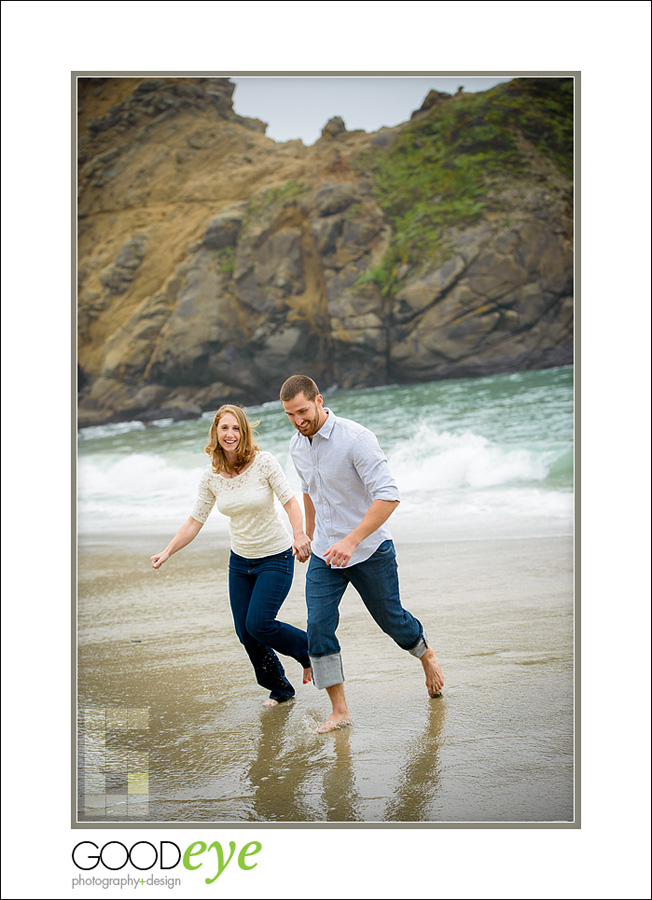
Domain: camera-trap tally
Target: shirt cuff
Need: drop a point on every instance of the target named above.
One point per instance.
(386, 494)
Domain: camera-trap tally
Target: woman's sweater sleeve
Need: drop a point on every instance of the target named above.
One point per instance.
(277, 480)
(205, 499)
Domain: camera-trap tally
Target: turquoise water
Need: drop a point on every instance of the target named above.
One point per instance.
(473, 458)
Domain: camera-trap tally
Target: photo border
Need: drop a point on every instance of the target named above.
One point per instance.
(575, 823)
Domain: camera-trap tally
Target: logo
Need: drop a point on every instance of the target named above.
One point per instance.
(143, 856)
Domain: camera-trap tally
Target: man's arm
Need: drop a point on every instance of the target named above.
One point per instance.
(300, 540)
(309, 508)
(371, 465)
(340, 554)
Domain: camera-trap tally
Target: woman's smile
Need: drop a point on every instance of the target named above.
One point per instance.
(228, 433)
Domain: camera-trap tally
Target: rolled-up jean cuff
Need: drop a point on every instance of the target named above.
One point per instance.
(327, 670)
(420, 647)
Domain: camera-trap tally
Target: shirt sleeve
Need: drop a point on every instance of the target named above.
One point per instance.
(205, 499)
(293, 453)
(277, 480)
(371, 465)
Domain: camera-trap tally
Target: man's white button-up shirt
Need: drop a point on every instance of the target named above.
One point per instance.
(343, 470)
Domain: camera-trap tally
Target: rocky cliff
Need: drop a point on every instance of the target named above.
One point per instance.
(213, 261)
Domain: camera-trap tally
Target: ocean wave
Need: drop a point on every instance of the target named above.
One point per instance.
(467, 458)
(440, 460)
(137, 486)
(92, 432)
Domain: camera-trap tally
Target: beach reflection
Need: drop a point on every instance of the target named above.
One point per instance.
(305, 777)
(197, 746)
(276, 773)
(340, 796)
(414, 797)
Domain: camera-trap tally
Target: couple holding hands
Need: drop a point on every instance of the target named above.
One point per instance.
(348, 495)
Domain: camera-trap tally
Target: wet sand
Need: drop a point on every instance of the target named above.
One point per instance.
(172, 728)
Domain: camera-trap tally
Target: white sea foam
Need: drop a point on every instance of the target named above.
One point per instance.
(109, 430)
(436, 460)
(135, 489)
(466, 464)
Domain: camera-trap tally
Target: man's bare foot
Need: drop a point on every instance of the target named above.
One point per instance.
(333, 722)
(434, 674)
(307, 675)
(340, 715)
(270, 702)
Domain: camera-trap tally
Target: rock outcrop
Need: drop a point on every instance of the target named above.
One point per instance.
(213, 262)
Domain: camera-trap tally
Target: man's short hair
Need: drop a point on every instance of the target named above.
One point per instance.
(297, 384)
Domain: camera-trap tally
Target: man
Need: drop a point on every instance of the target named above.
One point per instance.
(348, 494)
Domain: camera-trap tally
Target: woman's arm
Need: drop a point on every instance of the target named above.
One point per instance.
(301, 541)
(188, 532)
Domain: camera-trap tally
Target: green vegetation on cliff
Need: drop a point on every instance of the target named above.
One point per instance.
(445, 168)
(270, 200)
(225, 259)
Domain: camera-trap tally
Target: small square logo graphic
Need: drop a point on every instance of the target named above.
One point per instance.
(114, 780)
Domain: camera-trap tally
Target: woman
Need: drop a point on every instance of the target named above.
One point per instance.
(243, 480)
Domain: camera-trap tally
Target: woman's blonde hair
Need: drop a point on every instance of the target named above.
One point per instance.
(246, 449)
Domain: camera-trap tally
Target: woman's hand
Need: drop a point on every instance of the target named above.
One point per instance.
(300, 541)
(301, 546)
(187, 533)
(159, 558)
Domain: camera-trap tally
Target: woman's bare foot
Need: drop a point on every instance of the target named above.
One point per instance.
(434, 674)
(334, 721)
(307, 675)
(270, 702)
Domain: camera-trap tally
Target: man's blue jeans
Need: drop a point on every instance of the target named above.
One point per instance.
(257, 589)
(376, 580)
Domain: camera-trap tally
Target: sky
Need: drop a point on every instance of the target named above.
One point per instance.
(299, 106)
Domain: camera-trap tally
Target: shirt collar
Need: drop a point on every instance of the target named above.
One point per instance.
(327, 427)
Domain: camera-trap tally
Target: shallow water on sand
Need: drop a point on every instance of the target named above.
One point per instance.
(172, 728)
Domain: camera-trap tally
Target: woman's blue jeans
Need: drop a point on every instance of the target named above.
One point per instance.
(257, 589)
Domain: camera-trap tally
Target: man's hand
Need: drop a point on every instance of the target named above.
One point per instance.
(301, 546)
(340, 553)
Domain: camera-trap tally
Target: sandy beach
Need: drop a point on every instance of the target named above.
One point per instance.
(171, 726)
